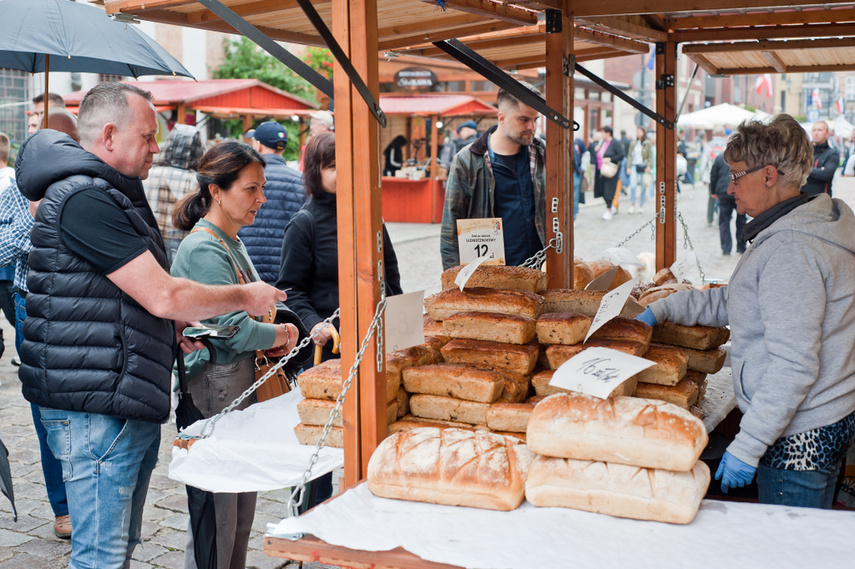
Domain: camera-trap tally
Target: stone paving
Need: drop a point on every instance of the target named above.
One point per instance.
(30, 543)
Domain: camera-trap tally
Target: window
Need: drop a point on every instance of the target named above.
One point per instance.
(13, 117)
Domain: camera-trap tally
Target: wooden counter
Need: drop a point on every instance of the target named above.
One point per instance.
(412, 201)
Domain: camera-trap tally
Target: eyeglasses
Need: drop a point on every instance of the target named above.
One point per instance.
(736, 175)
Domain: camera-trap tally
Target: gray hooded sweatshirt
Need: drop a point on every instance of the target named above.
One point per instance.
(790, 305)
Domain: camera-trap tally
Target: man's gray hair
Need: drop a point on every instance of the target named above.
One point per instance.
(105, 103)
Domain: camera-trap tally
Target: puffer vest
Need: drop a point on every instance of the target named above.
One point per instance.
(88, 346)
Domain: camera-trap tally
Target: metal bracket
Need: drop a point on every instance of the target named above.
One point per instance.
(624, 97)
(553, 21)
(343, 60)
(567, 66)
(667, 80)
(554, 208)
(468, 57)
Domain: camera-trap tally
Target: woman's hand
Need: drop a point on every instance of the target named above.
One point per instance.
(324, 335)
(287, 337)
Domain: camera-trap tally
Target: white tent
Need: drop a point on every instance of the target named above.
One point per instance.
(724, 114)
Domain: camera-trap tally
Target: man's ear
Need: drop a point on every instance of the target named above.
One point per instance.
(108, 135)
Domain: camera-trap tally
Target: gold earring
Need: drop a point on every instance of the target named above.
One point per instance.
(220, 202)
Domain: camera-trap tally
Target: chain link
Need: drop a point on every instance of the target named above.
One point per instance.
(375, 328)
(651, 223)
(536, 260)
(687, 244)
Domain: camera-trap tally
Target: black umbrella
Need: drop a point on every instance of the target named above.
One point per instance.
(6, 478)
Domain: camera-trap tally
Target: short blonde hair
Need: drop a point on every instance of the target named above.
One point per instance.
(782, 143)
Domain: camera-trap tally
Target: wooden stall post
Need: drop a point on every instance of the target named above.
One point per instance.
(359, 230)
(181, 114)
(559, 147)
(666, 156)
(434, 164)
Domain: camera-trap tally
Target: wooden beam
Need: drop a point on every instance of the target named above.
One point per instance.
(776, 32)
(582, 8)
(116, 6)
(775, 61)
(704, 63)
(492, 10)
(609, 40)
(266, 7)
(448, 21)
(754, 18)
(767, 45)
(600, 56)
(790, 69)
(666, 160)
(527, 62)
(432, 36)
(484, 44)
(656, 21)
(626, 28)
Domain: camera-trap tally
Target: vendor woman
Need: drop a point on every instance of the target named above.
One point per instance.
(790, 308)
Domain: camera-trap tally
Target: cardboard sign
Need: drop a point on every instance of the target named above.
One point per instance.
(683, 269)
(597, 371)
(603, 281)
(467, 271)
(481, 238)
(404, 321)
(611, 305)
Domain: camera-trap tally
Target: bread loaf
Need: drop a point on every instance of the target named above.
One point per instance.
(704, 361)
(585, 302)
(455, 380)
(435, 343)
(511, 417)
(410, 422)
(514, 302)
(398, 361)
(311, 434)
(659, 292)
(403, 401)
(498, 276)
(602, 266)
(562, 328)
(699, 379)
(515, 388)
(316, 412)
(448, 409)
(624, 430)
(518, 436)
(511, 357)
(618, 490)
(432, 327)
(662, 276)
(582, 273)
(323, 381)
(696, 337)
(684, 394)
(455, 467)
(490, 326)
(557, 355)
(624, 329)
(670, 365)
(541, 380)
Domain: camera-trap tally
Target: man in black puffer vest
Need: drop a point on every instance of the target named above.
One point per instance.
(102, 313)
(826, 160)
(285, 196)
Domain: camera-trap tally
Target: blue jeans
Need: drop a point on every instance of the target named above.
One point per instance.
(106, 465)
(577, 186)
(51, 468)
(806, 489)
(636, 184)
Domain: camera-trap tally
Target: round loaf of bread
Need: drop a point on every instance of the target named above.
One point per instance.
(659, 292)
(582, 273)
(663, 275)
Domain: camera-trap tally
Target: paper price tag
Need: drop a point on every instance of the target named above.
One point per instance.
(405, 324)
(597, 371)
(682, 269)
(481, 238)
(467, 271)
(622, 256)
(611, 305)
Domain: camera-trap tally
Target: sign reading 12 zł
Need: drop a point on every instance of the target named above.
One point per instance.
(481, 238)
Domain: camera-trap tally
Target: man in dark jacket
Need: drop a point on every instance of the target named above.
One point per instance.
(826, 159)
(285, 196)
(102, 313)
(719, 182)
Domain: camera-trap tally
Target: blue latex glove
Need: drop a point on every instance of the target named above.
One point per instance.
(733, 473)
(647, 317)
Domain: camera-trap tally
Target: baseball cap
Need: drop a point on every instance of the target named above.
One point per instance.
(323, 116)
(468, 124)
(271, 134)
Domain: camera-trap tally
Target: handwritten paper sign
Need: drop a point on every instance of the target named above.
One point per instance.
(598, 371)
(481, 238)
(611, 305)
(603, 281)
(622, 256)
(683, 268)
(467, 271)
(404, 321)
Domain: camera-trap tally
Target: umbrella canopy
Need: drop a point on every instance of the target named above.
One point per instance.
(724, 114)
(6, 478)
(78, 38)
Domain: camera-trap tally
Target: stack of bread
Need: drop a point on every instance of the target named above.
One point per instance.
(622, 456)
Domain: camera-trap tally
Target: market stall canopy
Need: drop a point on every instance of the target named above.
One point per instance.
(222, 98)
(724, 114)
(442, 105)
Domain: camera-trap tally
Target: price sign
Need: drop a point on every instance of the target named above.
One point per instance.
(611, 305)
(467, 271)
(481, 238)
(597, 371)
(404, 321)
(622, 256)
(681, 269)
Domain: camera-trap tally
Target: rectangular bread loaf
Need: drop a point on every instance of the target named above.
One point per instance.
(562, 328)
(460, 381)
(617, 490)
(513, 302)
(704, 361)
(456, 467)
(399, 360)
(697, 337)
(311, 434)
(700, 379)
(322, 381)
(403, 400)
(449, 409)
(511, 357)
(670, 365)
(316, 412)
(515, 389)
(432, 327)
(436, 342)
(624, 329)
(585, 302)
(490, 327)
(684, 394)
(558, 354)
(409, 422)
(624, 430)
(498, 276)
(541, 380)
(511, 417)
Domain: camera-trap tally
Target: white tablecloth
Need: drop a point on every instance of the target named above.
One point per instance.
(724, 535)
(719, 400)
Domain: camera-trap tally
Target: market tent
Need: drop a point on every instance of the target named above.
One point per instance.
(724, 114)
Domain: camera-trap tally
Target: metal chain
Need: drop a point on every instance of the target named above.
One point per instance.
(208, 427)
(687, 244)
(651, 223)
(375, 328)
(536, 260)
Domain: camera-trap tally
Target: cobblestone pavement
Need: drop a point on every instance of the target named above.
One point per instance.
(30, 543)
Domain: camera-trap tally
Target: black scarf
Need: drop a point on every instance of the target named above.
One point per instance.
(771, 215)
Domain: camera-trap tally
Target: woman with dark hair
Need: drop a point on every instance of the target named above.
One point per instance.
(231, 182)
(394, 155)
(608, 151)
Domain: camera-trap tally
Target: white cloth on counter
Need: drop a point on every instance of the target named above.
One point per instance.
(724, 534)
(719, 399)
(251, 451)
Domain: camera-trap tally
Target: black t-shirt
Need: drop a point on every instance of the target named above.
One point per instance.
(96, 229)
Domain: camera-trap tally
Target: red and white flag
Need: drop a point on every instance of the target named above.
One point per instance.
(841, 106)
(816, 99)
(764, 82)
